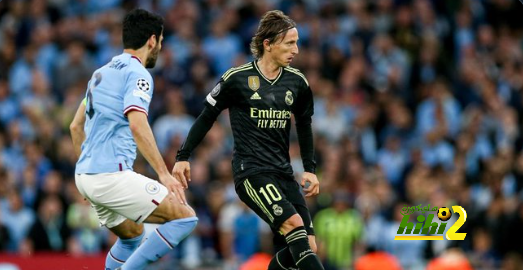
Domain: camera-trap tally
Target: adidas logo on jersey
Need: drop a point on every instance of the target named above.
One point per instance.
(255, 96)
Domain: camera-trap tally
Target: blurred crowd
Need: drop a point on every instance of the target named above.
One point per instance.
(416, 102)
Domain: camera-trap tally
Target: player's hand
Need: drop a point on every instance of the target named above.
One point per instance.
(182, 172)
(314, 185)
(174, 186)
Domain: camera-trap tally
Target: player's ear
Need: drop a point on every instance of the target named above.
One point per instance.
(151, 42)
(267, 45)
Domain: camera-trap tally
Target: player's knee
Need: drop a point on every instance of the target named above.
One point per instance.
(179, 211)
(291, 223)
(186, 211)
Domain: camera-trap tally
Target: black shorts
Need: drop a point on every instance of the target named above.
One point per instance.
(274, 198)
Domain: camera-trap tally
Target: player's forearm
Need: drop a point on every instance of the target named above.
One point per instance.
(306, 141)
(198, 131)
(78, 137)
(77, 129)
(143, 136)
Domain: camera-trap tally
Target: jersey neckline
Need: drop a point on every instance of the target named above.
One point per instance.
(271, 82)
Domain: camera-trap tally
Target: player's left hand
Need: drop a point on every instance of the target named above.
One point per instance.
(182, 172)
(314, 185)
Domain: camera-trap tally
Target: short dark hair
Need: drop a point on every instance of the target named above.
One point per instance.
(138, 26)
(273, 25)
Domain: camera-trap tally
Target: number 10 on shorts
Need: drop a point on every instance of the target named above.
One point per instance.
(272, 191)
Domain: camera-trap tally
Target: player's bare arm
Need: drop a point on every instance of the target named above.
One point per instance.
(77, 129)
(146, 143)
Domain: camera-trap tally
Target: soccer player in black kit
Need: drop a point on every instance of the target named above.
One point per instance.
(261, 97)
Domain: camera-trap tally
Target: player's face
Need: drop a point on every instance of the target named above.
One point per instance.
(284, 51)
(153, 56)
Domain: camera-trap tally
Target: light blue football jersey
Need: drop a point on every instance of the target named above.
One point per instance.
(115, 89)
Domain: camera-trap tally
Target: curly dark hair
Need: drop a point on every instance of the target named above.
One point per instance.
(138, 26)
(273, 26)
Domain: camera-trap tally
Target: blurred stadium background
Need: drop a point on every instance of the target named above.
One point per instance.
(416, 102)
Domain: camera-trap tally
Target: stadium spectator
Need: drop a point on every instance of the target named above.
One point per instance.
(339, 230)
(242, 233)
(49, 232)
(5, 237)
(84, 225)
(174, 124)
(18, 219)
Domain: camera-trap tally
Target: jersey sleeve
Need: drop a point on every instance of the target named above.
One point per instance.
(305, 104)
(303, 114)
(220, 96)
(215, 102)
(138, 92)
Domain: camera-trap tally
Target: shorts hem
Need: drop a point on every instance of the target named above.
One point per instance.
(150, 211)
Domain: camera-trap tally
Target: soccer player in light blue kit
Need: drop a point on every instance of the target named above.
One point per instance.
(107, 128)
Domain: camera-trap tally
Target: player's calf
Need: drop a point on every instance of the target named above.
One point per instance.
(130, 236)
(298, 242)
(179, 221)
(282, 260)
(121, 251)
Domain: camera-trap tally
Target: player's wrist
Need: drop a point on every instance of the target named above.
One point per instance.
(163, 173)
(183, 155)
(310, 167)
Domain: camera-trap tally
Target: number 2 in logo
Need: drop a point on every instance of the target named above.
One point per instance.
(452, 232)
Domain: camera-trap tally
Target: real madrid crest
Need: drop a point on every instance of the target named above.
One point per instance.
(254, 82)
(277, 210)
(288, 98)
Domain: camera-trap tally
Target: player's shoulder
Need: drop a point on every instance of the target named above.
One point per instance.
(235, 71)
(136, 68)
(296, 72)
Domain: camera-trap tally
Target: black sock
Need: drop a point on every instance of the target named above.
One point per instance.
(283, 260)
(301, 251)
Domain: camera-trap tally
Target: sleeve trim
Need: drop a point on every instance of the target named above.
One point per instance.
(134, 108)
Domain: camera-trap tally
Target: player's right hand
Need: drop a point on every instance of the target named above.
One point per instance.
(182, 172)
(174, 186)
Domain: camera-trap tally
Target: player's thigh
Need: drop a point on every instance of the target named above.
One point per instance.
(121, 195)
(169, 209)
(294, 195)
(263, 195)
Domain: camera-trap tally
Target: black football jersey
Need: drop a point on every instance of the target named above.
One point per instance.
(260, 112)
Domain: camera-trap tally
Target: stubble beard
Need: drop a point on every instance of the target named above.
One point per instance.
(151, 60)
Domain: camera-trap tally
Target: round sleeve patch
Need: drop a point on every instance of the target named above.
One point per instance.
(216, 90)
(143, 84)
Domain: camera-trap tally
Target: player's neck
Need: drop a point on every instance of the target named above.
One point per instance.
(140, 54)
(268, 68)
